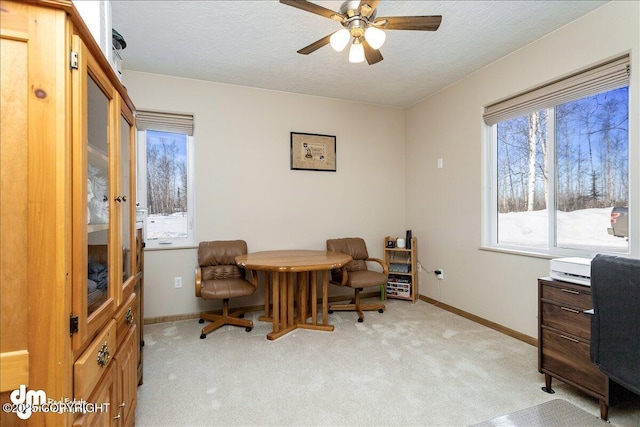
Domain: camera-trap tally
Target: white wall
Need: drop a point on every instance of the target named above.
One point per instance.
(444, 206)
(246, 190)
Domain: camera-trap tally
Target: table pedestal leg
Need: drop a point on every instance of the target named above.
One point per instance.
(325, 298)
(314, 298)
(267, 317)
(303, 285)
(283, 313)
(325, 326)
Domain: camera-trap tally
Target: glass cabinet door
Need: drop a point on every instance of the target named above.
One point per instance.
(98, 190)
(126, 201)
(92, 201)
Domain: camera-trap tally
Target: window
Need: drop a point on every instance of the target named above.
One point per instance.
(165, 178)
(558, 165)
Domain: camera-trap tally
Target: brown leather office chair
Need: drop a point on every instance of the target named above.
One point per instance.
(356, 274)
(219, 278)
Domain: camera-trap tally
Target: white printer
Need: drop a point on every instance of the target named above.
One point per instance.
(573, 269)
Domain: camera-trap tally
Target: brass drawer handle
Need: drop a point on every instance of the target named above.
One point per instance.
(129, 316)
(569, 338)
(117, 417)
(103, 355)
(570, 291)
(570, 310)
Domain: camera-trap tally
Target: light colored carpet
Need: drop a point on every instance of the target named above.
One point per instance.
(415, 364)
(555, 413)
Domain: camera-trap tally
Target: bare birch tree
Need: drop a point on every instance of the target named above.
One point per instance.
(534, 123)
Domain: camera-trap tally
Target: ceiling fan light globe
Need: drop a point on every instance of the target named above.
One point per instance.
(375, 37)
(356, 53)
(340, 39)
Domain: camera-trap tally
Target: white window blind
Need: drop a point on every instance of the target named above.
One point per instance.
(610, 75)
(166, 122)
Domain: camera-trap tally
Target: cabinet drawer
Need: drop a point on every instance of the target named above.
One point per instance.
(570, 295)
(90, 366)
(125, 317)
(566, 319)
(568, 359)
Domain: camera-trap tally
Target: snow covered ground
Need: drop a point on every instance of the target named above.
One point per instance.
(167, 226)
(582, 229)
(578, 229)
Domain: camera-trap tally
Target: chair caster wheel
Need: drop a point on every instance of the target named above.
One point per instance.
(380, 310)
(248, 329)
(330, 311)
(203, 336)
(360, 320)
(201, 321)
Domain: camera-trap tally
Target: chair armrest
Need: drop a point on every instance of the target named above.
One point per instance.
(344, 274)
(385, 267)
(198, 281)
(254, 278)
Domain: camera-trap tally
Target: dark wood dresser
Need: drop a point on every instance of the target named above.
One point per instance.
(564, 333)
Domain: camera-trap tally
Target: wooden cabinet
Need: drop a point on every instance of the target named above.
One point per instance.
(139, 290)
(403, 268)
(564, 333)
(68, 211)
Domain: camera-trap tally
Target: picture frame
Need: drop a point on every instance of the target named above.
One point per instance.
(310, 151)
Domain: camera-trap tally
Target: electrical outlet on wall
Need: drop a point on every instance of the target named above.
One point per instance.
(177, 282)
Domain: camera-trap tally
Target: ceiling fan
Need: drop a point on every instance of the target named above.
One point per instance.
(361, 27)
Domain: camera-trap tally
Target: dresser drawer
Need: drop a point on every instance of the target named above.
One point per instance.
(570, 295)
(90, 366)
(566, 319)
(125, 317)
(568, 358)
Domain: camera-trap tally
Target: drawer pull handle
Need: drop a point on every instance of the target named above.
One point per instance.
(569, 338)
(117, 417)
(129, 316)
(570, 291)
(570, 310)
(103, 355)
(122, 405)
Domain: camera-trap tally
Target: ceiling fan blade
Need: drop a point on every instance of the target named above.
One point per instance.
(367, 7)
(314, 8)
(315, 45)
(372, 55)
(419, 23)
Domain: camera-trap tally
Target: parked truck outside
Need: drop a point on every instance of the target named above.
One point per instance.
(619, 222)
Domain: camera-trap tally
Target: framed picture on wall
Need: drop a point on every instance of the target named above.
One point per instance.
(314, 152)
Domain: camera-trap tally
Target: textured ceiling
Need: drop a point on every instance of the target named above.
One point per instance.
(254, 43)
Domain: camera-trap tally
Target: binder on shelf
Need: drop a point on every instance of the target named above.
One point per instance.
(399, 268)
(398, 279)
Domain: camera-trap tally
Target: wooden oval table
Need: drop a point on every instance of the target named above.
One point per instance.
(282, 267)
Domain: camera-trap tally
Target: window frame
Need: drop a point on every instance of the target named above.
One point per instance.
(490, 191)
(173, 242)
